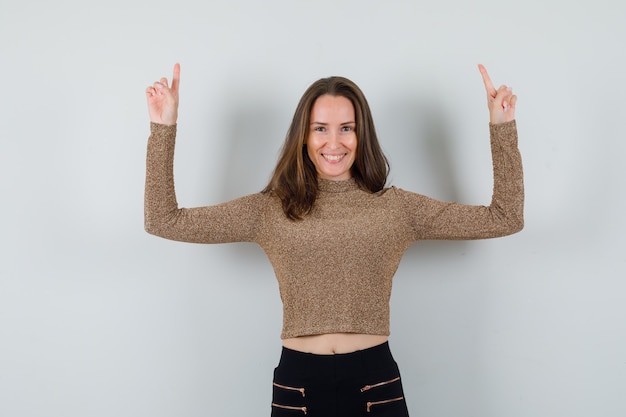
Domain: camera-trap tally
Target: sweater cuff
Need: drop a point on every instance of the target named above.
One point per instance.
(156, 127)
(503, 128)
(161, 130)
(504, 132)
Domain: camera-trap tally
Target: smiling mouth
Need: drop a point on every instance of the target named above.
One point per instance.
(333, 158)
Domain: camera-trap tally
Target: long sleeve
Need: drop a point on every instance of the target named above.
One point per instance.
(433, 219)
(233, 221)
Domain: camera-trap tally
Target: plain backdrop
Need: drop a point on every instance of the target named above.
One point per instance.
(99, 319)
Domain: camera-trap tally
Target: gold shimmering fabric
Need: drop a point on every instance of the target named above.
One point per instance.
(335, 267)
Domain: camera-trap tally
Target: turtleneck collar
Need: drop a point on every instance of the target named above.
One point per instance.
(330, 186)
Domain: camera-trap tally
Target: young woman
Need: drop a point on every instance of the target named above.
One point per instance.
(335, 235)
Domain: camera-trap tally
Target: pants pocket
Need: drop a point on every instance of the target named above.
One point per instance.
(279, 410)
(370, 405)
(288, 400)
(385, 397)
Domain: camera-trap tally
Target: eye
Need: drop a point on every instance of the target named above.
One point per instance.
(347, 128)
(319, 129)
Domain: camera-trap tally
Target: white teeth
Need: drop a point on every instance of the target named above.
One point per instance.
(333, 157)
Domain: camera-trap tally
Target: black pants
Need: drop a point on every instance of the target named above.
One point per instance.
(363, 383)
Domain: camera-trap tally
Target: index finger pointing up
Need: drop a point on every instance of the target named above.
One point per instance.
(491, 91)
(176, 77)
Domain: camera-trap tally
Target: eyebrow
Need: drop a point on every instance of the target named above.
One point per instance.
(326, 124)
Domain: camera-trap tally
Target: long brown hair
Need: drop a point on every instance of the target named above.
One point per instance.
(294, 179)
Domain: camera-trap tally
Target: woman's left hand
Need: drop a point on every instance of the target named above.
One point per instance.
(501, 102)
(163, 99)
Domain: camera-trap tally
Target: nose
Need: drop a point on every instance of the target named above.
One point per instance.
(334, 139)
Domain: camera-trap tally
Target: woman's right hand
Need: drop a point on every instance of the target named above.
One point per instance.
(163, 99)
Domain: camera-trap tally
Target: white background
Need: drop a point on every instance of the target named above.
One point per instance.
(98, 318)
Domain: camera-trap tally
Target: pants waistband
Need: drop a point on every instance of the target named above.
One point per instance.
(335, 365)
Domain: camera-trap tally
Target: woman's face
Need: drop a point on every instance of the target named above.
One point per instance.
(331, 142)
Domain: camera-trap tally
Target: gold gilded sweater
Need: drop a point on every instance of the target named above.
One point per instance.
(335, 267)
